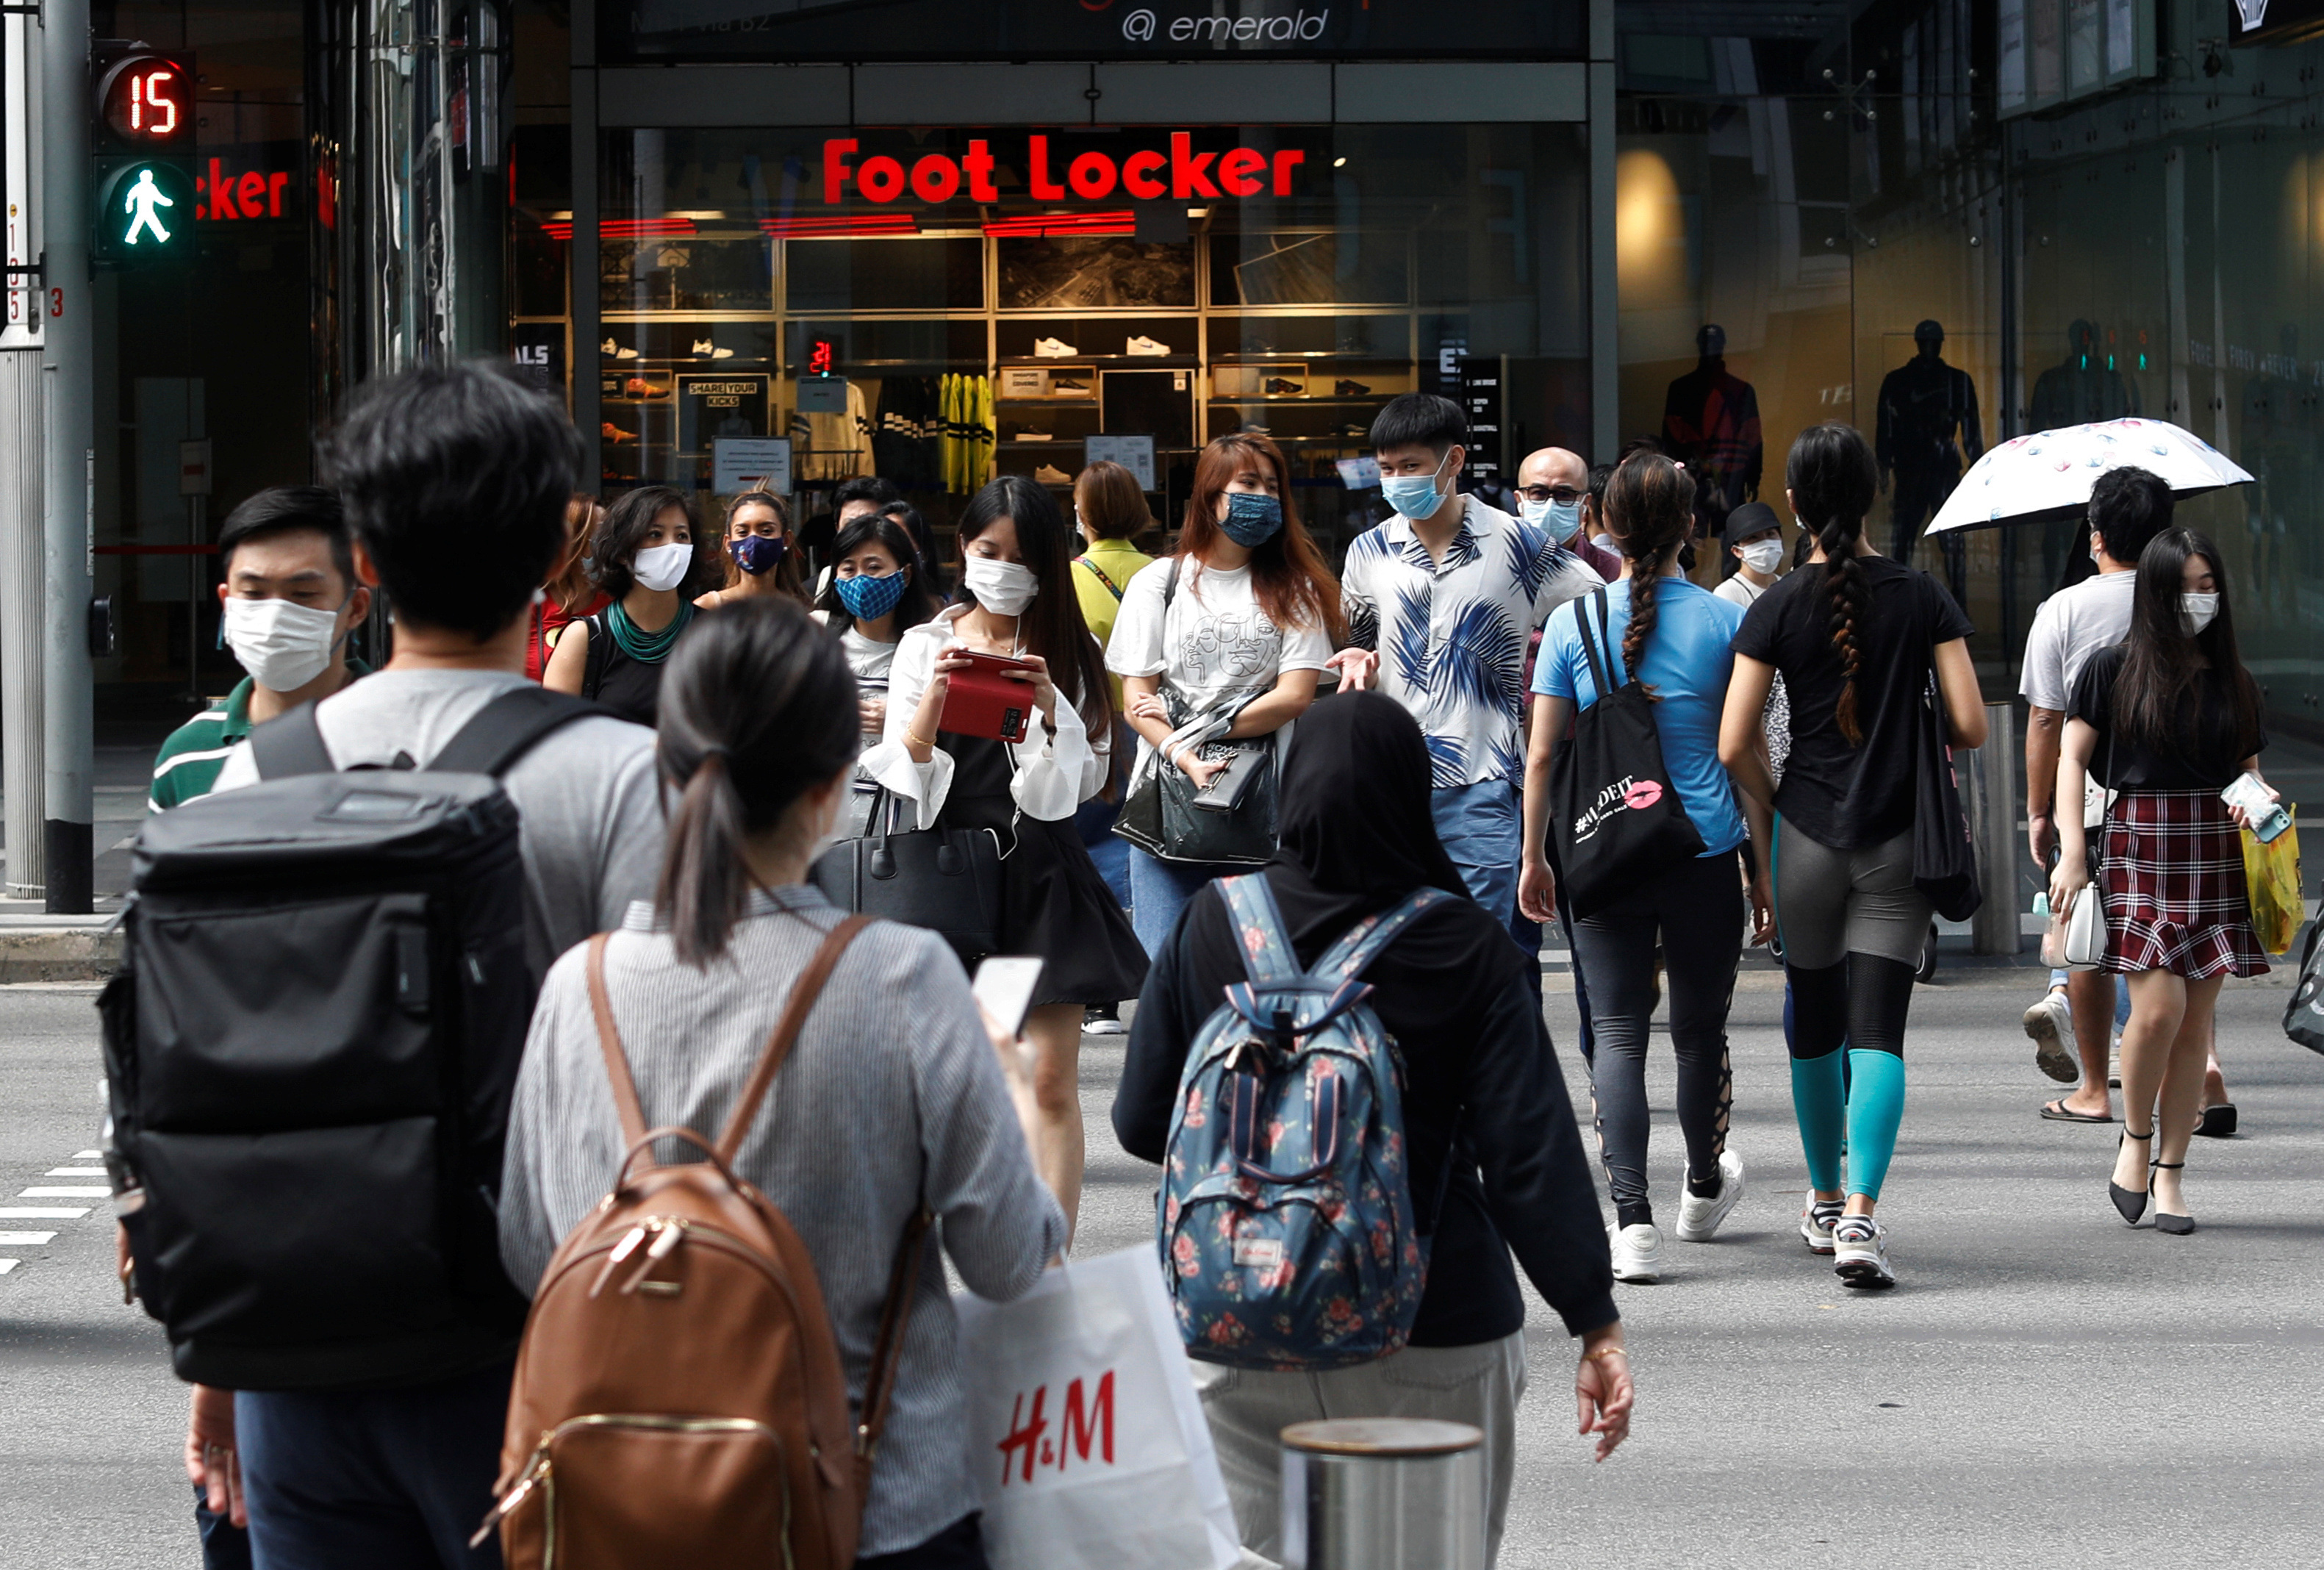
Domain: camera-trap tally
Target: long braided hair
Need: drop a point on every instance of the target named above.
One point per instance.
(1833, 479)
(1649, 508)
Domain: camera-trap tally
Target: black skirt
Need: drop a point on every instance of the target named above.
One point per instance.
(1054, 903)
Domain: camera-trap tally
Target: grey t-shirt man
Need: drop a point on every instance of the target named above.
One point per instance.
(2072, 625)
(591, 833)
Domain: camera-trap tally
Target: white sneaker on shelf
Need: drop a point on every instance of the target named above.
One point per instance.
(1816, 1222)
(705, 349)
(1637, 1253)
(1142, 345)
(1859, 1250)
(2050, 1023)
(1699, 1219)
(1053, 349)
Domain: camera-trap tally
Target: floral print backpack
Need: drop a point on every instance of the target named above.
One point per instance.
(1286, 1223)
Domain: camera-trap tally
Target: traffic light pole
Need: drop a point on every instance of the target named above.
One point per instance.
(22, 591)
(68, 367)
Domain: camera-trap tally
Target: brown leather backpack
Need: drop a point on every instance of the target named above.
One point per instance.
(679, 1399)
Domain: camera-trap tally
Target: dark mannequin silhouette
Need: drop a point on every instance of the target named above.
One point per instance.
(2276, 448)
(2079, 390)
(1923, 402)
(1710, 423)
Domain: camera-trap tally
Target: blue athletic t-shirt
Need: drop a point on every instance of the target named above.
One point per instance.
(1688, 660)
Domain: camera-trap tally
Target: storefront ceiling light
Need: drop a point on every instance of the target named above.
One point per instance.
(840, 226)
(1340, 161)
(1124, 222)
(626, 228)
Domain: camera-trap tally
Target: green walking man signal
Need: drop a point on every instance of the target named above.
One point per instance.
(142, 102)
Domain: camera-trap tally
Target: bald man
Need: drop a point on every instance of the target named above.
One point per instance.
(1551, 484)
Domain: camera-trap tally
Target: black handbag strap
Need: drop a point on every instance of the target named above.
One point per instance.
(1600, 675)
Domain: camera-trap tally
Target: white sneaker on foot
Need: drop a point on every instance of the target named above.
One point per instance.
(1637, 1253)
(1860, 1247)
(1699, 1219)
(1816, 1222)
(2050, 1023)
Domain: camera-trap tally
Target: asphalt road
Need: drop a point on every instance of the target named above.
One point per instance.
(2046, 1387)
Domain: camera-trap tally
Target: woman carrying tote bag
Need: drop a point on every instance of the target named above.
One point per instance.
(2168, 718)
(1017, 599)
(1669, 640)
(1235, 629)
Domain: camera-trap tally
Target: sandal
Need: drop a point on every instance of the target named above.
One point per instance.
(2057, 1111)
(2218, 1122)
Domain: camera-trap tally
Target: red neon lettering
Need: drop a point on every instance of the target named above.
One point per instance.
(935, 177)
(1138, 172)
(835, 166)
(1092, 175)
(881, 179)
(1288, 159)
(979, 164)
(221, 192)
(275, 184)
(250, 190)
(1044, 189)
(1189, 176)
(1241, 171)
(1025, 1436)
(1078, 1429)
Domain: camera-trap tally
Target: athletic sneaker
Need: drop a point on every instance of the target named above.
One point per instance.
(1637, 1253)
(1816, 1222)
(1859, 1248)
(1699, 1219)
(2050, 1023)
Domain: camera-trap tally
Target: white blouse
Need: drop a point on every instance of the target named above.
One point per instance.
(1054, 774)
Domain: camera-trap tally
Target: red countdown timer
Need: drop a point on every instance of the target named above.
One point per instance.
(148, 101)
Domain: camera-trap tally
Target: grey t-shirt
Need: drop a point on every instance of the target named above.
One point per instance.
(592, 832)
(2072, 625)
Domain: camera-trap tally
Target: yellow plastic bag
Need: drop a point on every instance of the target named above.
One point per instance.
(2272, 873)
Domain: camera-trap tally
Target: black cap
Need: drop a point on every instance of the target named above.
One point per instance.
(1751, 518)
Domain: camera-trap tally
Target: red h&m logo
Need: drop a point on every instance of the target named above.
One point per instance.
(1086, 1423)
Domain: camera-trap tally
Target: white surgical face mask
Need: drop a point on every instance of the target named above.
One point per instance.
(2196, 612)
(1562, 520)
(662, 567)
(1762, 555)
(283, 644)
(1003, 588)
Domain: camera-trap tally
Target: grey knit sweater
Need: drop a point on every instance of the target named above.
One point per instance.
(891, 1095)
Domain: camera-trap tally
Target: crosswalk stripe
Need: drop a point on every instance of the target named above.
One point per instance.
(67, 1191)
(89, 1171)
(42, 1212)
(25, 1240)
(88, 1155)
(6, 1266)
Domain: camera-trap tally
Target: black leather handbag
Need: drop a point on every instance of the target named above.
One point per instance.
(947, 880)
(1945, 855)
(1163, 816)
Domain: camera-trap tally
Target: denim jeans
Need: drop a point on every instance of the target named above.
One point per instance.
(1480, 829)
(1159, 890)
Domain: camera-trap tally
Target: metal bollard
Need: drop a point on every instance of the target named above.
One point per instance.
(1383, 1493)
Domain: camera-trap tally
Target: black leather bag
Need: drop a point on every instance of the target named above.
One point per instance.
(1619, 821)
(947, 880)
(1945, 855)
(1160, 815)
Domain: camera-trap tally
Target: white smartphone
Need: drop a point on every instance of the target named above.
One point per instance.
(1004, 984)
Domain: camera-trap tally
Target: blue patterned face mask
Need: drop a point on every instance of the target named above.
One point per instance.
(1253, 518)
(869, 599)
(757, 553)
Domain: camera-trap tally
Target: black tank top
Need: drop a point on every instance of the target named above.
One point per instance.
(627, 688)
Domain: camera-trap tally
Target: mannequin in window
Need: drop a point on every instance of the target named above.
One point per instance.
(2274, 444)
(1923, 404)
(1710, 423)
(2081, 388)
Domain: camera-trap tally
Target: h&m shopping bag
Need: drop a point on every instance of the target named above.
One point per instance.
(1086, 1439)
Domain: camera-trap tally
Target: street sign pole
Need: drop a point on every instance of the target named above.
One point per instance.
(23, 596)
(68, 370)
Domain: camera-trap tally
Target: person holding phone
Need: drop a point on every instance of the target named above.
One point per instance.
(647, 561)
(2167, 718)
(1015, 601)
(1245, 613)
(896, 1096)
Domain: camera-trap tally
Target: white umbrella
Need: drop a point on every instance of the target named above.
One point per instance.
(2049, 475)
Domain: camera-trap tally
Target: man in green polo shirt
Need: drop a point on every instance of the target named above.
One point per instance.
(288, 601)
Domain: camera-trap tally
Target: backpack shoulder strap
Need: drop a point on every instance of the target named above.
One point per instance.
(505, 729)
(1362, 943)
(1267, 954)
(290, 744)
(617, 1062)
(804, 992)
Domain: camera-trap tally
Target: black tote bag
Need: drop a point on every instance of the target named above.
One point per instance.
(1619, 821)
(947, 880)
(1944, 857)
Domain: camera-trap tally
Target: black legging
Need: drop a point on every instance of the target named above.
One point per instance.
(1696, 911)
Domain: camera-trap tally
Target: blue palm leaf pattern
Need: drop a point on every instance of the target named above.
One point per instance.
(1407, 644)
(1507, 762)
(1482, 662)
(1530, 557)
(1448, 759)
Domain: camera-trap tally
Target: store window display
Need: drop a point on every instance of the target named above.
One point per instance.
(1710, 423)
(1927, 430)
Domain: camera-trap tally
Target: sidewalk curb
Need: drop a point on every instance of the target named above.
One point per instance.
(60, 953)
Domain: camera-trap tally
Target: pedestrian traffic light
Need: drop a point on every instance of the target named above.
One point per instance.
(143, 104)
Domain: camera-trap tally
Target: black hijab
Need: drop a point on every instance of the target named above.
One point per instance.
(1355, 832)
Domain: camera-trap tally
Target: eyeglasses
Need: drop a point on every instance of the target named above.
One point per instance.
(1563, 495)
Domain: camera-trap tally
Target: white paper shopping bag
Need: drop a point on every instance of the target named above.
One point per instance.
(1085, 1436)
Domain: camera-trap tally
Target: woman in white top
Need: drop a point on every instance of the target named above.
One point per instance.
(1246, 606)
(1017, 598)
(877, 590)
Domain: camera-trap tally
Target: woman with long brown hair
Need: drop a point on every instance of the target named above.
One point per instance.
(1245, 613)
(2168, 717)
(760, 554)
(570, 591)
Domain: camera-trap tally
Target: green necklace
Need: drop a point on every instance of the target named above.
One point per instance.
(647, 648)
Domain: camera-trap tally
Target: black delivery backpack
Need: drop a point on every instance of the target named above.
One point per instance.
(311, 1044)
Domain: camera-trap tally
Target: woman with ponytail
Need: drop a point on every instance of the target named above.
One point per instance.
(1858, 639)
(895, 1095)
(1672, 636)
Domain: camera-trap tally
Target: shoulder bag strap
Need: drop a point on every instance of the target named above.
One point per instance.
(804, 994)
(1364, 941)
(1608, 645)
(1266, 955)
(617, 1062)
(1600, 677)
(593, 663)
(505, 729)
(290, 744)
(1170, 589)
(1097, 573)
(895, 1315)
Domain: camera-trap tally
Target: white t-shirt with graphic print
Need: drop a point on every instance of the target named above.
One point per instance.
(1216, 641)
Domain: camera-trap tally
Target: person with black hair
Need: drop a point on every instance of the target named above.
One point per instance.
(648, 561)
(1672, 635)
(877, 591)
(850, 500)
(2165, 720)
(895, 1096)
(441, 464)
(288, 602)
(1858, 640)
(1016, 599)
(759, 560)
(2076, 1018)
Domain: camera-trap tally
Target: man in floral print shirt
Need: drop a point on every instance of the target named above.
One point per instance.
(1440, 602)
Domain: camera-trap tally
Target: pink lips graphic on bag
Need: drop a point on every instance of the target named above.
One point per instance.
(1627, 794)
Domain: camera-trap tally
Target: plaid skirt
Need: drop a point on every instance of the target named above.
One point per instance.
(2170, 866)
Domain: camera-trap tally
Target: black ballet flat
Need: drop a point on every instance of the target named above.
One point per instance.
(2165, 1222)
(2130, 1202)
